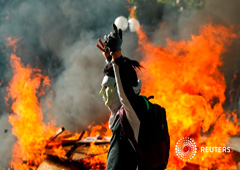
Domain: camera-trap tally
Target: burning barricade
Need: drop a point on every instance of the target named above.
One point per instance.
(185, 79)
(35, 140)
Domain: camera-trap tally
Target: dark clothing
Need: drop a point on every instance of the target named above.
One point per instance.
(121, 155)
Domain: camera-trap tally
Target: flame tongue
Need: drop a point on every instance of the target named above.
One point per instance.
(26, 118)
(185, 79)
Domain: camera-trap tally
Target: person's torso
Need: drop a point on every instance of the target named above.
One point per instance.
(121, 155)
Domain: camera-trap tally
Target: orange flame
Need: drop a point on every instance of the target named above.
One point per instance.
(26, 117)
(98, 162)
(185, 79)
(12, 43)
(132, 12)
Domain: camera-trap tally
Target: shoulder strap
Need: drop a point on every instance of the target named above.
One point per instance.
(146, 102)
(129, 133)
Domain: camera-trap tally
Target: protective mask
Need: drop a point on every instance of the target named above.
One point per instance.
(110, 97)
(108, 90)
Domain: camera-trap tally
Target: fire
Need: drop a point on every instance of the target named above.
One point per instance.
(100, 130)
(185, 79)
(26, 117)
(12, 43)
(98, 162)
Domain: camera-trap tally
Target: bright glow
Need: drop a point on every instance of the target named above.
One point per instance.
(133, 24)
(185, 78)
(121, 22)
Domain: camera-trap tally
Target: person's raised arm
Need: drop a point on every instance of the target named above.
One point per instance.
(105, 51)
(124, 73)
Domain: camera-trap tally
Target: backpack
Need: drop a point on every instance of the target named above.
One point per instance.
(153, 143)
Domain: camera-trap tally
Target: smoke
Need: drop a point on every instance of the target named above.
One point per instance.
(179, 26)
(6, 140)
(59, 37)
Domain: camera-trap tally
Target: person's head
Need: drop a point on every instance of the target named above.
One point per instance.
(109, 89)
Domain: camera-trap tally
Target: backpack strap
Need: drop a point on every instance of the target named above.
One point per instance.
(146, 102)
(146, 99)
(127, 130)
(155, 107)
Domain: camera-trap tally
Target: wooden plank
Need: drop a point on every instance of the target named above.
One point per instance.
(234, 143)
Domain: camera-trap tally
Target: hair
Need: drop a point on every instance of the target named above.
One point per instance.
(131, 66)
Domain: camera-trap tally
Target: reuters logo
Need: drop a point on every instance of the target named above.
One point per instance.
(185, 148)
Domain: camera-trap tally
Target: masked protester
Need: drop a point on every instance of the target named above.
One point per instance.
(120, 89)
(130, 120)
